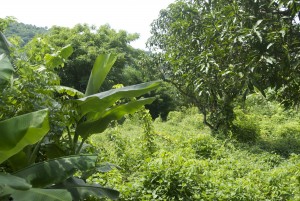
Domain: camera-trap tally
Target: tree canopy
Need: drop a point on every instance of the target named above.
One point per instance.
(216, 52)
(88, 42)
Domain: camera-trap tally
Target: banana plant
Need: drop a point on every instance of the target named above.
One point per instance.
(96, 110)
(54, 179)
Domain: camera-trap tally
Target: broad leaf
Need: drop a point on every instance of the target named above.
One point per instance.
(6, 69)
(66, 51)
(20, 131)
(101, 120)
(68, 90)
(56, 170)
(9, 183)
(42, 194)
(102, 101)
(81, 191)
(4, 44)
(101, 67)
(58, 58)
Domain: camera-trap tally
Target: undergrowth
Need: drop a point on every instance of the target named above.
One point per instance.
(183, 161)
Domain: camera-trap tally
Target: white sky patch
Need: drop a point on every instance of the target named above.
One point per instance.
(134, 16)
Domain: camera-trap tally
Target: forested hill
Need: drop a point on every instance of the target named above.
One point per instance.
(25, 31)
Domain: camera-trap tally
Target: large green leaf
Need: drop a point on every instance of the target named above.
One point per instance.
(19, 189)
(81, 191)
(9, 183)
(68, 90)
(4, 44)
(56, 170)
(20, 131)
(39, 194)
(6, 69)
(59, 57)
(101, 67)
(66, 51)
(102, 101)
(100, 121)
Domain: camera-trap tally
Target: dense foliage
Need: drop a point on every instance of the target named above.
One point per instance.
(190, 164)
(88, 42)
(47, 159)
(25, 31)
(217, 52)
(66, 87)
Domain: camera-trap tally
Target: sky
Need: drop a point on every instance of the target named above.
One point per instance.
(134, 16)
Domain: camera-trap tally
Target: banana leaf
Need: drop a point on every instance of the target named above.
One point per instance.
(81, 190)
(101, 68)
(55, 171)
(101, 101)
(100, 121)
(20, 131)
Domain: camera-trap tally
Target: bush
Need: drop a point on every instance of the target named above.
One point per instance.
(245, 127)
(205, 146)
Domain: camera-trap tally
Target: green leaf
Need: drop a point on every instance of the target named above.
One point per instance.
(56, 170)
(101, 67)
(58, 58)
(20, 131)
(19, 160)
(257, 23)
(68, 90)
(53, 60)
(258, 35)
(6, 69)
(102, 101)
(100, 121)
(66, 51)
(4, 44)
(42, 194)
(12, 182)
(81, 191)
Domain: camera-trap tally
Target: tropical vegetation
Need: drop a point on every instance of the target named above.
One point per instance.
(82, 117)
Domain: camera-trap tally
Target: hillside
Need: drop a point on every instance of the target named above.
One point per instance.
(25, 31)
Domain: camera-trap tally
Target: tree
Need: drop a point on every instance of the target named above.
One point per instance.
(4, 23)
(88, 42)
(216, 52)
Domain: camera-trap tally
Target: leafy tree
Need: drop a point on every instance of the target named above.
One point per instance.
(168, 99)
(4, 23)
(216, 52)
(88, 42)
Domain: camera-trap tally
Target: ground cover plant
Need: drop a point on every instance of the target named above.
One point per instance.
(191, 164)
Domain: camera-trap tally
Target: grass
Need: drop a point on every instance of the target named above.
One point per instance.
(190, 164)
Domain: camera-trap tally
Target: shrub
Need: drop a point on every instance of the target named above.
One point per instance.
(205, 146)
(245, 127)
